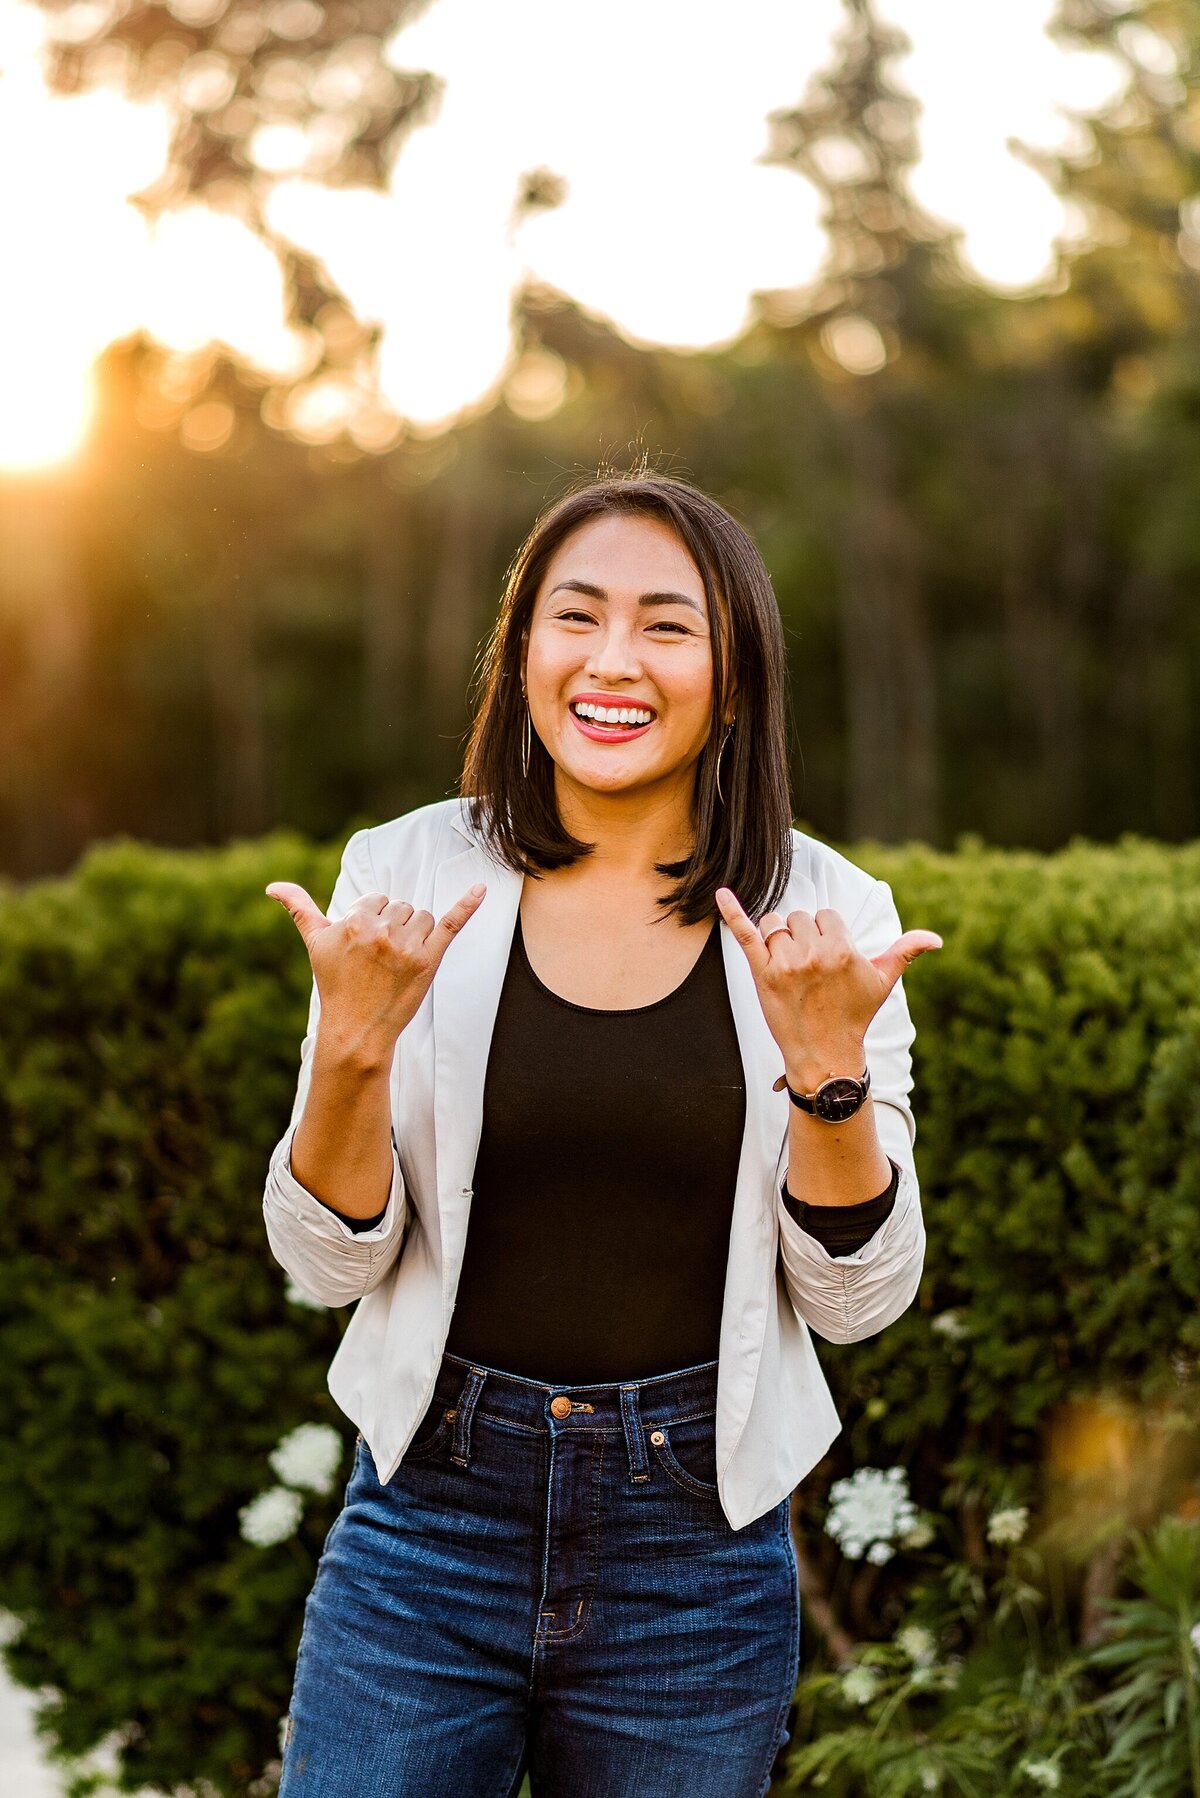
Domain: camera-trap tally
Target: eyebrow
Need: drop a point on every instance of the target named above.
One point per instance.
(645, 599)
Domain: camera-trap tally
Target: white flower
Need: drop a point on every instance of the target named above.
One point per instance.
(931, 1779)
(916, 1644)
(951, 1324)
(1042, 1773)
(860, 1685)
(880, 1553)
(271, 1517)
(871, 1507)
(297, 1295)
(1009, 1526)
(308, 1457)
(1196, 1638)
(919, 1536)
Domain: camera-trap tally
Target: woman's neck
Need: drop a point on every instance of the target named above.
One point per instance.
(632, 833)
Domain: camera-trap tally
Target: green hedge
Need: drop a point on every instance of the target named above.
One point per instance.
(151, 1008)
(1057, 1098)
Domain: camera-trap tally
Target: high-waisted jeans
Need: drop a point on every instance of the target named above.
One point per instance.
(547, 1584)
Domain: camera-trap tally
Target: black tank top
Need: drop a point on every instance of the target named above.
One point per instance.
(598, 1237)
(603, 1193)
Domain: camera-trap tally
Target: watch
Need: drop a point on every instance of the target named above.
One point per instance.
(835, 1101)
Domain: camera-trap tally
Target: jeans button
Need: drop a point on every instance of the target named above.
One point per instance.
(560, 1406)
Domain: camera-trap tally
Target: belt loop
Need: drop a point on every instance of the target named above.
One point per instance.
(460, 1448)
(635, 1440)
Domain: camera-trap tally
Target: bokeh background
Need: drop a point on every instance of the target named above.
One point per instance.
(308, 310)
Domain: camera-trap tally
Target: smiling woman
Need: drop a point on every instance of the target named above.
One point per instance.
(539, 1133)
(668, 582)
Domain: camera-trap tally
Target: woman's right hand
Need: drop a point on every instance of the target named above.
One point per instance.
(374, 965)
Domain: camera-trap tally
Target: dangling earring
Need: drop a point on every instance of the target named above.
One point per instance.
(528, 741)
(720, 753)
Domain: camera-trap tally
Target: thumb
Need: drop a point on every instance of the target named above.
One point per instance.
(306, 914)
(894, 962)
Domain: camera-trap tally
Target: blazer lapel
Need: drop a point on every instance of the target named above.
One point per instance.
(466, 997)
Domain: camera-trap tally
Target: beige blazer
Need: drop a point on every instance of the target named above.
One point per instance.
(775, 1414)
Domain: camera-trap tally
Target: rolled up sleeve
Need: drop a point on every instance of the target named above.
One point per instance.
(845, 1298)
(314, 1243)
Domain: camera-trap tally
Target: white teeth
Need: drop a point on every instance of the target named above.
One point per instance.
(600, 714)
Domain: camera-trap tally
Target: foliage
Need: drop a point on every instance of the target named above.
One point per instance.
(1020, 1710)
(227, 68)
(226, 71)
(152, 1009)
(985, 550)
(1055, 1065)
(1153, 1650)
(159, 1372)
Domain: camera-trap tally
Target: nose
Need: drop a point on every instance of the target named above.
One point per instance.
(613, 659)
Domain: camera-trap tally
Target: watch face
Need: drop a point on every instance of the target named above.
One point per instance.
(838, 1100)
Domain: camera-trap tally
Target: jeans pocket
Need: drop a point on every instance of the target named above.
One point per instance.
(431, 1436)
(687, 1452)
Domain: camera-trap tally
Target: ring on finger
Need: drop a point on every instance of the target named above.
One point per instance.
(775, 932)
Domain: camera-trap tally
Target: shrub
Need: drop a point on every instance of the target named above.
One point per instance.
(1056, 1064)
(983, 1695)
(151, 1007)
(150, 1013)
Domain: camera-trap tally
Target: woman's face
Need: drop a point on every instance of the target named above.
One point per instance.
(620, 620)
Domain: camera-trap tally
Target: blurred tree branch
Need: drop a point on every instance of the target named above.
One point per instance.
(256, 93)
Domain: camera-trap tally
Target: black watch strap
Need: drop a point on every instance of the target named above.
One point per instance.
(835, 1101)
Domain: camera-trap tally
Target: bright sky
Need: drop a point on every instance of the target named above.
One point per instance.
(652, 110)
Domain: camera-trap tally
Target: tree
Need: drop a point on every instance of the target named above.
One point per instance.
(854, 137)
(1130, 317)
(296, 86)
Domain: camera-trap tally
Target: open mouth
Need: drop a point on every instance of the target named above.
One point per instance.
(616, 724)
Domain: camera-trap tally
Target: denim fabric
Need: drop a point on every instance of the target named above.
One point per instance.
(557, 1594)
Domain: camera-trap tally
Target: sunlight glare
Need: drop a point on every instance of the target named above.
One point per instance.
(66, 227)
(968, 174)
(208, 277)
(670, 219)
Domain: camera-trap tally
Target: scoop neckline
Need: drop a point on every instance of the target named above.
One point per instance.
(620, 1011)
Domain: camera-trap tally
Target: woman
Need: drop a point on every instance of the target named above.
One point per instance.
(564, 1545)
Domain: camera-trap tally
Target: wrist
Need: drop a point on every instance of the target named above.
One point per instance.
(806, 1071)
(353, 1051)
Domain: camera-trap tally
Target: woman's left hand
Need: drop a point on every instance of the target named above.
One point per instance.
(818, 993)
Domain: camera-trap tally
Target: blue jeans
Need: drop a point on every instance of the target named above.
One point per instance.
(546, 1584)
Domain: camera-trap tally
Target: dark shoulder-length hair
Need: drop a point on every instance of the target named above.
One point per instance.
(744, 842)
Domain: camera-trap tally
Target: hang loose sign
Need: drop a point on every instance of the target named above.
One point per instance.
(818, 992)
(374, 964)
